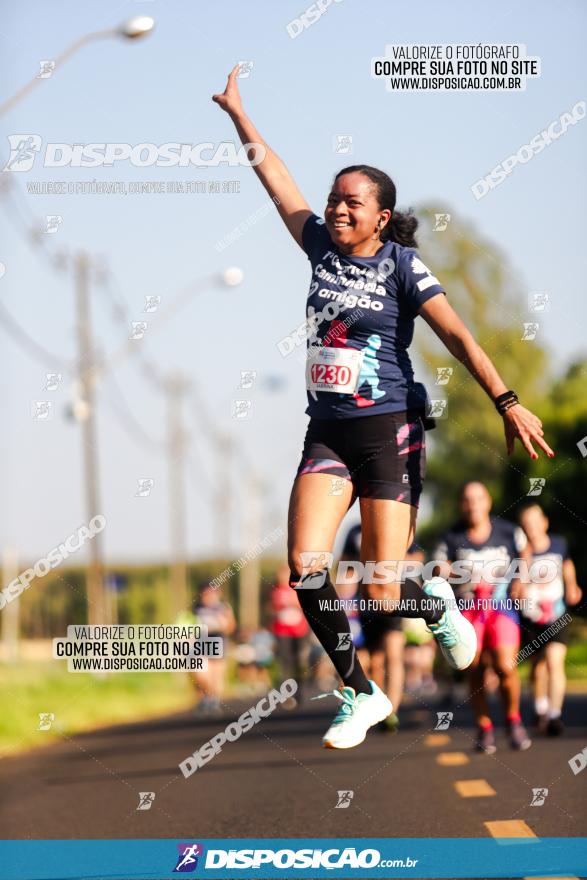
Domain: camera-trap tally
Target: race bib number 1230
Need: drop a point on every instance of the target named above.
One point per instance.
(334, 369)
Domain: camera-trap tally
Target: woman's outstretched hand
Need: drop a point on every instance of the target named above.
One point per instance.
(230, 99)
(521, 423)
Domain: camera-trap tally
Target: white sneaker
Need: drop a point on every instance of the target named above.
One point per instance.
(454, 633)
(355, 716)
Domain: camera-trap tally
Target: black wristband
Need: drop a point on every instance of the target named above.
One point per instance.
(505, 401)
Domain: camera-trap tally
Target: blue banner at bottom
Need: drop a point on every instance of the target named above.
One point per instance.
(293, 857)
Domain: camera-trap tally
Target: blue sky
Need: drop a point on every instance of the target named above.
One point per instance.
(301, 94)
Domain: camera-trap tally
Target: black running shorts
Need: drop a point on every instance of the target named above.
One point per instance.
(383, 456)
(538, 635)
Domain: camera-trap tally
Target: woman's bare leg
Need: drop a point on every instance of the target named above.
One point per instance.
(540, 683)
(315, 514)
(557, 681)
(314, 517)
(387, 531)
(378, 669)
(477, 690)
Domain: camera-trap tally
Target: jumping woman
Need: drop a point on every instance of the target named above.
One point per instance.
(367, 414)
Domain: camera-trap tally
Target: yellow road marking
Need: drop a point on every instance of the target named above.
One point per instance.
(509, 828)
(437, 739)
(452, 759)
(474, 788)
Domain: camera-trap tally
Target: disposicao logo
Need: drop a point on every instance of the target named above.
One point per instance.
(187, 860)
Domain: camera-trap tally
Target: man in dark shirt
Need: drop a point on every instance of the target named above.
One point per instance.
(484, 547)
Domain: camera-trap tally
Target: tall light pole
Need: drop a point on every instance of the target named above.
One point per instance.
(130, 30)
(223, 496)
(250, 575)
(176, 388)
(85, 413)
(99, 610)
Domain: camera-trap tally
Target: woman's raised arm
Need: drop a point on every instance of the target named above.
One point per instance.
(271, 171)
(519, 422)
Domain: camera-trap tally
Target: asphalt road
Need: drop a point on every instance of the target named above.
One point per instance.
(277, 781)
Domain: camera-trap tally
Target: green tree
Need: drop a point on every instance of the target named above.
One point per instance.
(483, 288)
(564, 493)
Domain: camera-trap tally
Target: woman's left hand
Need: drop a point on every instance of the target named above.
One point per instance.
(521, 423)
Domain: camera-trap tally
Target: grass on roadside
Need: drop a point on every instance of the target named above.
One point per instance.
(80, 701)
(577, 658)
(83, 701)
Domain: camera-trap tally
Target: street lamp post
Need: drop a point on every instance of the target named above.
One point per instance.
(176, 387)
(98, 609)
(98, 612)
(130, 30)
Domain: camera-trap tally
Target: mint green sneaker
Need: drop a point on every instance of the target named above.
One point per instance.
(357, 713)
(455, 634)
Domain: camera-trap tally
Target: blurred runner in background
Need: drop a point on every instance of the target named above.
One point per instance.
(420, 648)
(487, 545)
(213, 612)
(290, 629)
(187, 617)
(541, 620)
(253, 654)
(263, 645)
(382, 637)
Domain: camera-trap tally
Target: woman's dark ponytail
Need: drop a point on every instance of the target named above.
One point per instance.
(402, 226)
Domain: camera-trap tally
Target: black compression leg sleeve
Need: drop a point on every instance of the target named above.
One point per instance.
(331, 626)
(413, 597)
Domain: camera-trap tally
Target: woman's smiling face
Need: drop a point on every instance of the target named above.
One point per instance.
(352, 212)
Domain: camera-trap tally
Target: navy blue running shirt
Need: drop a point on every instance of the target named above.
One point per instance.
(367, 304)
(505, 543)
